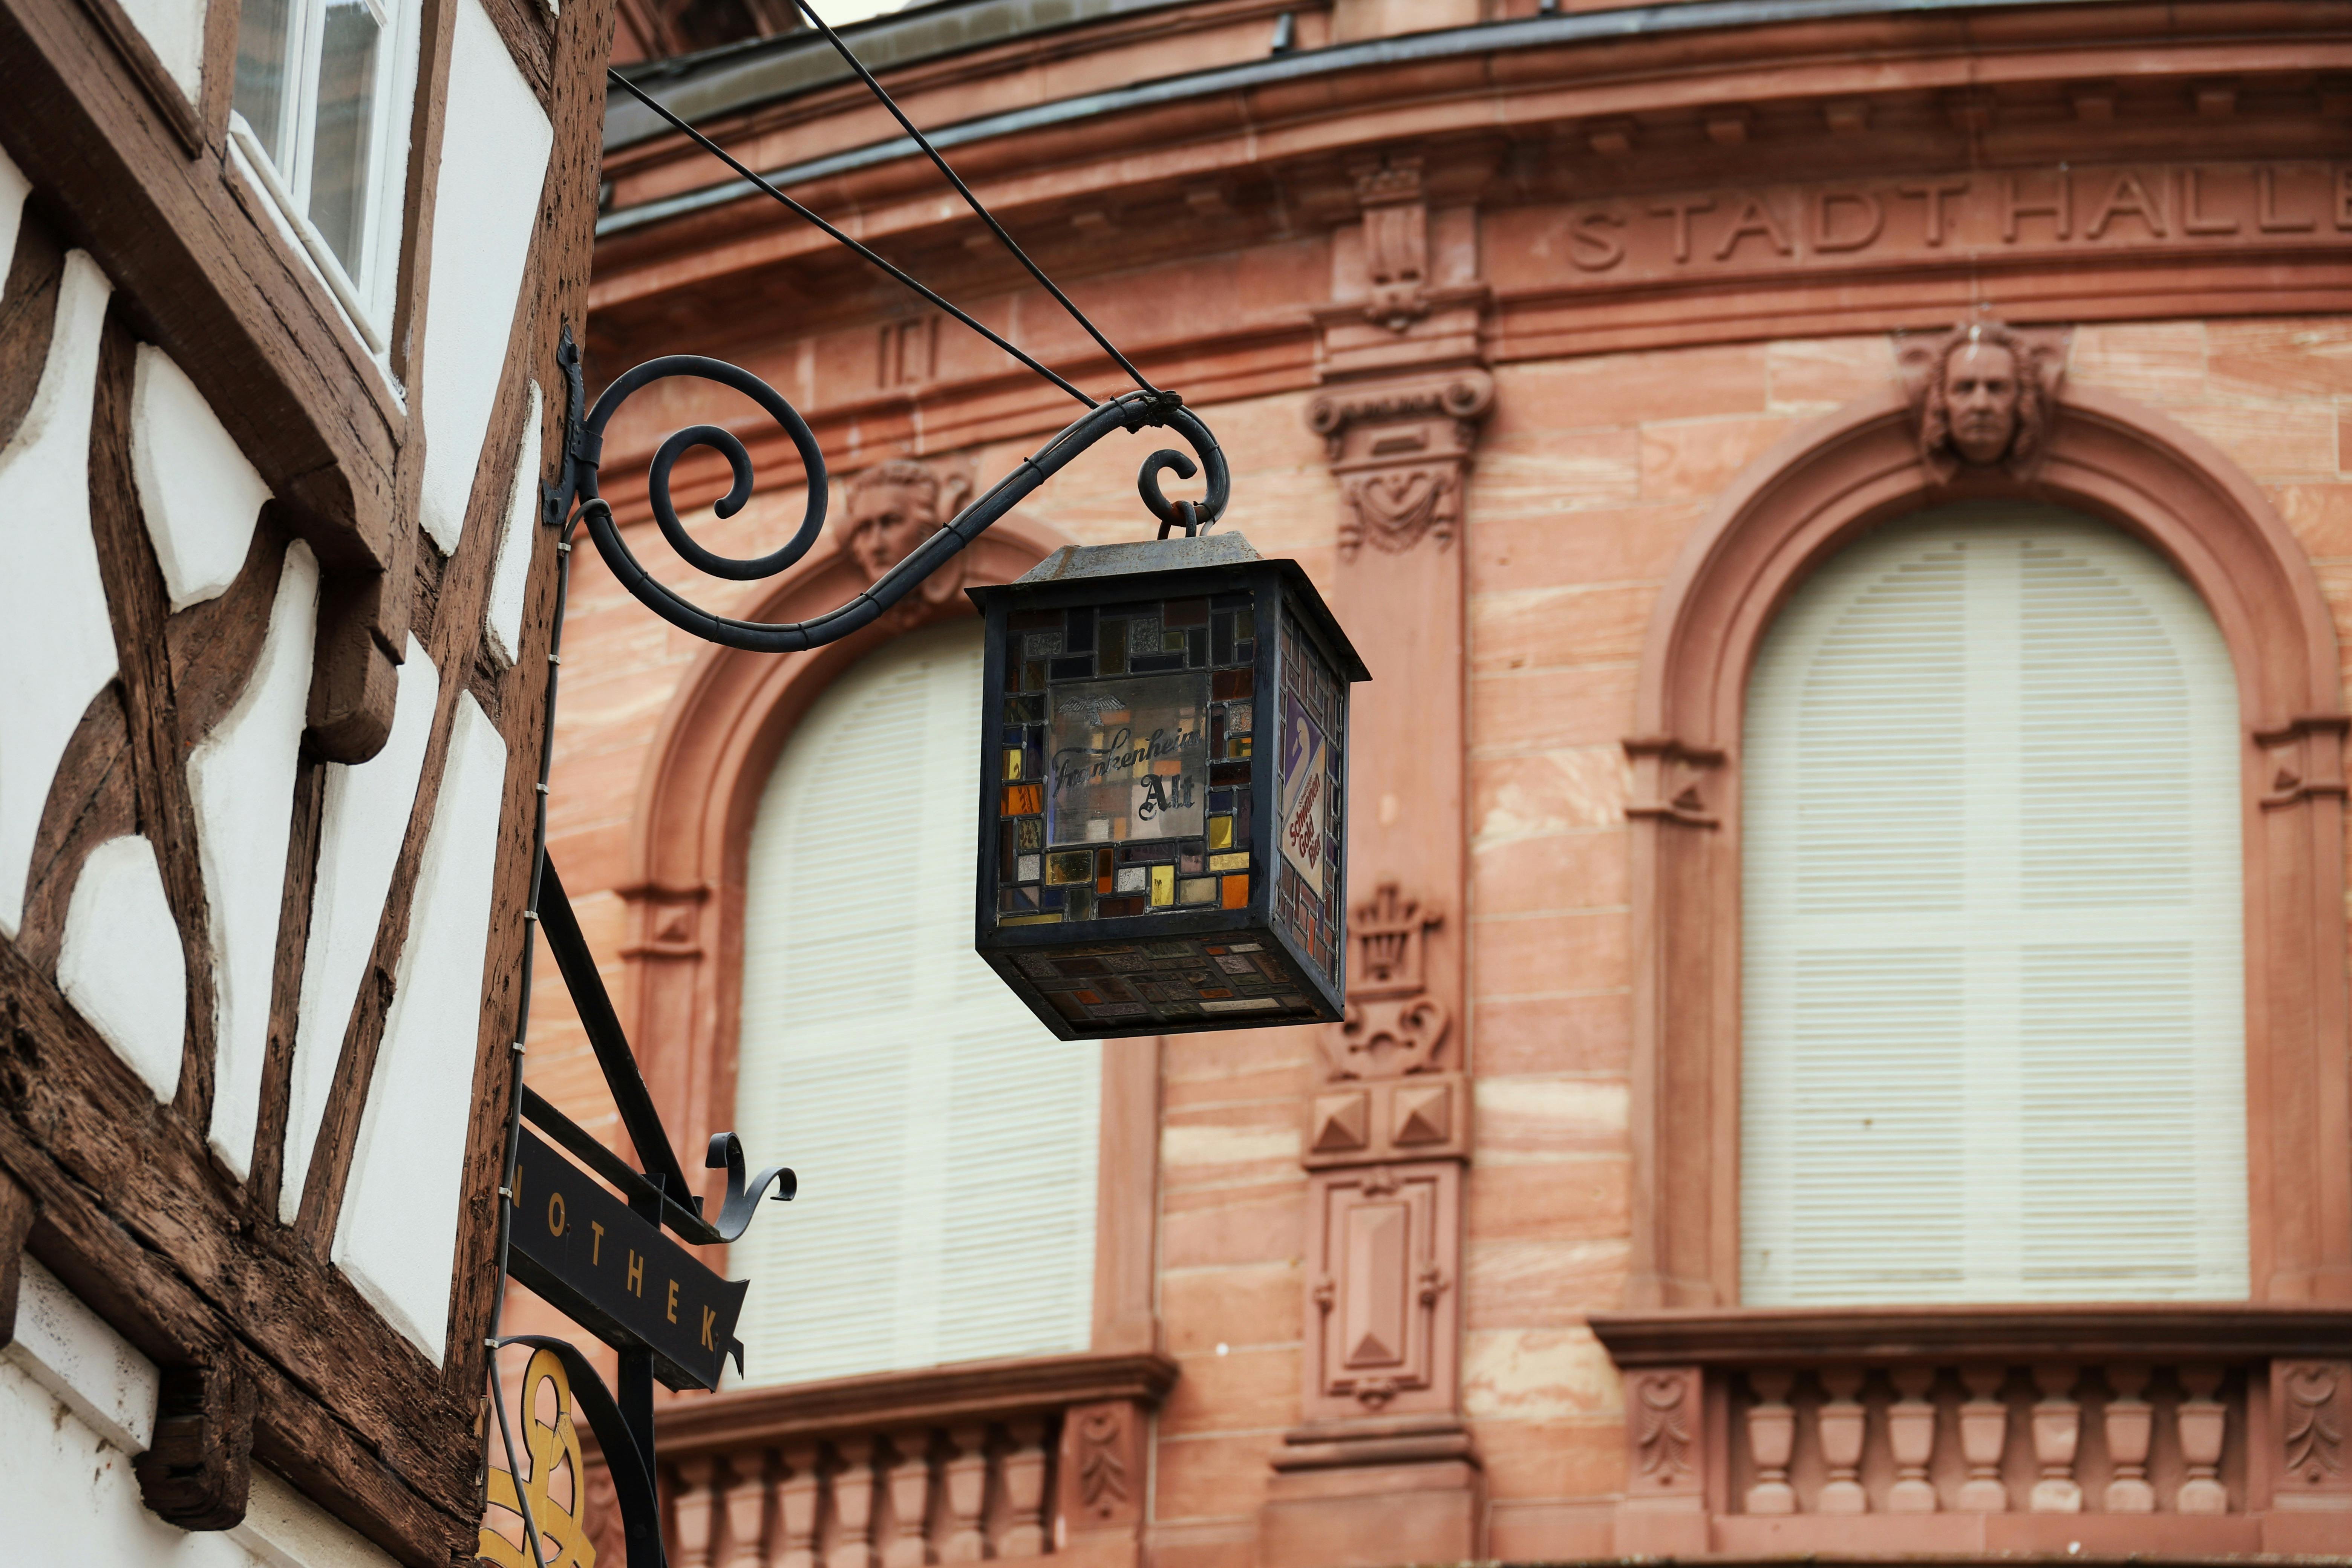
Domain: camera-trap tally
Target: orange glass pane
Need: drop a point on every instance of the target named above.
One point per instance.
(1237, 892)
(1024, 800)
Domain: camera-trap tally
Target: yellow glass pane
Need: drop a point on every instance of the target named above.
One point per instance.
(1050, 918)
(1238, 861)
(1220, 833)
(1012, 762)
(1164, 884)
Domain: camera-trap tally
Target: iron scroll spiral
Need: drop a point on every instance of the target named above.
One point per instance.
(1132, 412)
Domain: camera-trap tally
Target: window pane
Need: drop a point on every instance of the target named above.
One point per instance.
(344, 130)
(1993, 1016)
(945, 1142)
(264, 71)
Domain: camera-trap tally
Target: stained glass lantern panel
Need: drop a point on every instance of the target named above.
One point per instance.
(1164, 797)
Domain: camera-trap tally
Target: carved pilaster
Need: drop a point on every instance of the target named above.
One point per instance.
(1389, 1130)
(2311, 1403)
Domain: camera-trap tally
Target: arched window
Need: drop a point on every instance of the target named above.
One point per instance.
(1993, 1024)
(946, 1144)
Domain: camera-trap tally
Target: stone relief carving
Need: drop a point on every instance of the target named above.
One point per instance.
(1393, 1027)
(1983, 396)
(1399, 451)
(1661, 1428)
(1102, 1460)
(1396, 241)
(2311, 1422)
(893, 507)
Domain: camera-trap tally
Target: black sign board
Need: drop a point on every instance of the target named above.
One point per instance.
(616, 1274)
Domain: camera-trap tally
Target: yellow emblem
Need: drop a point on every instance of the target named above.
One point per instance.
(556, 1489)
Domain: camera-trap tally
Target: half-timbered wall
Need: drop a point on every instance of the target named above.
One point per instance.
(273, 602)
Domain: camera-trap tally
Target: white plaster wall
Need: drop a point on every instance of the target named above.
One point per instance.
(77, 1401)
(502, 616)
(398, 1238)
(242, 777)
(121, 963)
(494, 150)
(175, 29)
(14, 189)
(200, 497)
(360, 824)
(56, 646)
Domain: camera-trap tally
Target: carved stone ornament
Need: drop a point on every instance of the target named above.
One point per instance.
(1399, 450)
(1393, 1027)
(893, 507)
(1103, 1484)
(2311, 1417)
(1982, 395)
(1396, 241)
(1662, 1428)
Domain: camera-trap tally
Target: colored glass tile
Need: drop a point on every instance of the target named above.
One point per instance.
(1012, 762)
(1070, 866)
(1220, 640)
(1012, 901)
(1113, 654)
(1190, 864)
(1079, 637)
(1118, 909)
(1184, 613)
(1196, 891)
(1049, 898)
(1244, 624)
(1171, 642)
(1031, 833)
(1026, 868)
(1076, 667)
(1163, 885)
(1036, 620)
(1033, 676)
(1229, 773)
(1228, 684)
(1238, 718)
(1236, 892)
(1045, 919)
(1012, 656)
(1244, 651)
(1131, 880)
(1043, 645)
(1236, 861)
(1025, 799)
(1154, 663)
(1220, 833)
(1216, 734)
(1196, 648)
(1239, 747)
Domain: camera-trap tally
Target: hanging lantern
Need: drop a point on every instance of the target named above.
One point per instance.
(1163, 790)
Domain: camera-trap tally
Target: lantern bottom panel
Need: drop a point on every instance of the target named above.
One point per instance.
(1163, 985)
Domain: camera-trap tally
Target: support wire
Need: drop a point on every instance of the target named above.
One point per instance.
(716, 151)
(965, 192)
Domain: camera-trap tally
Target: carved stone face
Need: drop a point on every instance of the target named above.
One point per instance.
(1980, 393)
(888, 521)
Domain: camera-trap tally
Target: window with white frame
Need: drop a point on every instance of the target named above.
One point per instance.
(946, 1143)
(321, 110)
(1992, 983)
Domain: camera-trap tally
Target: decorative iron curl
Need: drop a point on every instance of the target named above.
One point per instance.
(1132, 412)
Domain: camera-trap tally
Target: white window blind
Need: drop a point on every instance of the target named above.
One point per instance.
(945, 1142)
(1993, 1025)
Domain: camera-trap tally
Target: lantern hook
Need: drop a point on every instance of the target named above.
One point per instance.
(1131, 412)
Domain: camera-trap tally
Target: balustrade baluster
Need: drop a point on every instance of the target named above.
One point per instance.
(1024, 1533)
(2203, 1421)
(1839, 1423)
(1772, 1438)
(695, 1503)
(746, 1505)
(2130, 1424)
(1911, 1438)
(797, 1496)
(899, 1534)
(855, 1482)
(2057, 1432)
(966, 1495)
(1984, 1437)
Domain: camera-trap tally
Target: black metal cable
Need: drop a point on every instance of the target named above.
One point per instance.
(716, 151)
(522, 1027)
(965, 192)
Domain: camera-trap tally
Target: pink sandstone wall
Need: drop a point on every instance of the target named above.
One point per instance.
(1589, 475)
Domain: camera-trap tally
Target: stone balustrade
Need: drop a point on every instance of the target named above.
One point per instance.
(2166, 1430)
(995, 1460)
